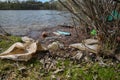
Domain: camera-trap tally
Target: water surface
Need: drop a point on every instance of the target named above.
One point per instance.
(19, 22)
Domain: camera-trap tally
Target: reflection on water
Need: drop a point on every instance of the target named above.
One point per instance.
(20, 21)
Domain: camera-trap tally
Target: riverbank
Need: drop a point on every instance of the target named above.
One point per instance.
(61, 64)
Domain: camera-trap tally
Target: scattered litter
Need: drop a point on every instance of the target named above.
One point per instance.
(22, 68)
(83, 47)
(64, 33)
(78, 56)
(114, 16)
(58, 33)
(27, 39)
(90, 41)
(91, 48)
(44, 34)
(22, 51)
(93, 32)
(55, 46)
(57, 71)
(101, 63)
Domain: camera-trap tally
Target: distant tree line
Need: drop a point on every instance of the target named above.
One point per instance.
(28, 5)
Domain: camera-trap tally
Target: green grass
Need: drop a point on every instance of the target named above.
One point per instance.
(34, 70)
(89, 71)
(5, 44)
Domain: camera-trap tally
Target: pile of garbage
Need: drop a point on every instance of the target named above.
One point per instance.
(24, 51)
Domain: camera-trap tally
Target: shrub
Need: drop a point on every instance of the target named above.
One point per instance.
(101, 15)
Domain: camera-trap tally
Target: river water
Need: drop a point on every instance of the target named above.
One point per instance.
(19, 22)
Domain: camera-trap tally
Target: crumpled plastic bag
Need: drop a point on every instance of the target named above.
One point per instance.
(89, 45)
(22, 51)
(90, 41)
(55, 46)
